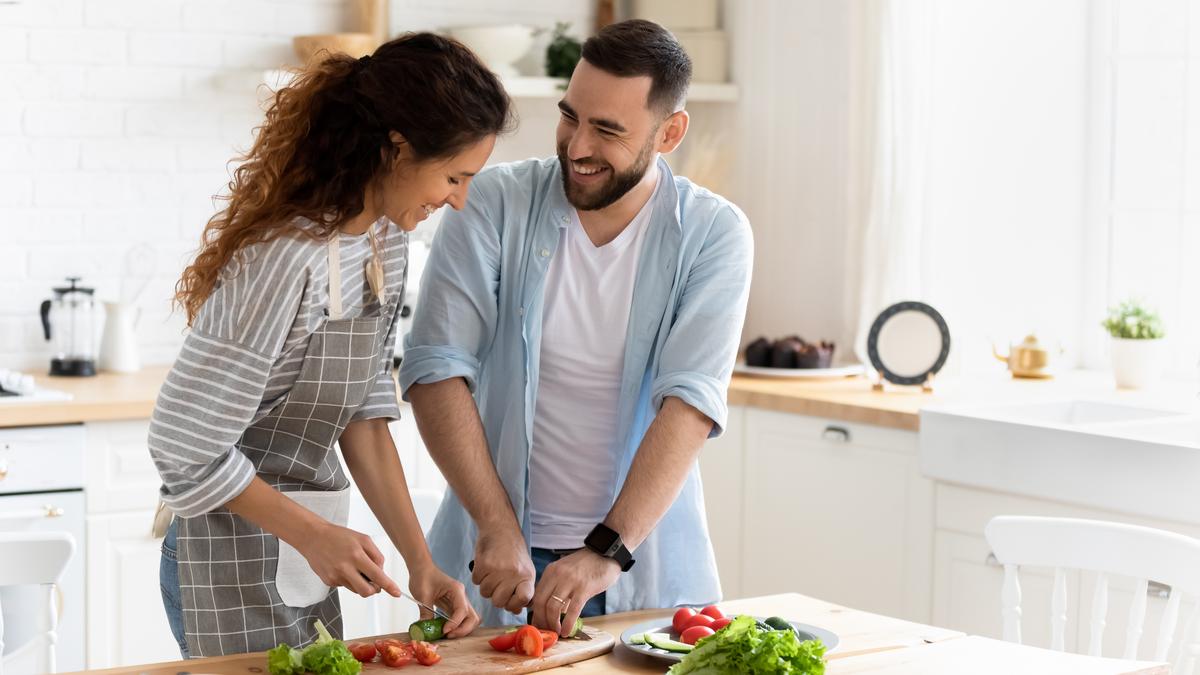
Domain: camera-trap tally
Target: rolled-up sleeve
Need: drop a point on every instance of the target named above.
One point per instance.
(455, 319)
(206, 403)
(701, 348)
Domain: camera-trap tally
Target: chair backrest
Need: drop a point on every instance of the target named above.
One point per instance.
(35, 558)
(1142, 553)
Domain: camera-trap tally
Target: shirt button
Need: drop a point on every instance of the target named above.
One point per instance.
(545, 253)
(520, 311)
(565, 219)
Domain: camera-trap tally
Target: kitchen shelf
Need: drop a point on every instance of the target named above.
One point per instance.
(548, 87)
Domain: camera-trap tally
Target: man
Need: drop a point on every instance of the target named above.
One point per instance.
(592, 303)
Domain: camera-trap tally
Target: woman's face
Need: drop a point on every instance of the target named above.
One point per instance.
(414, 190)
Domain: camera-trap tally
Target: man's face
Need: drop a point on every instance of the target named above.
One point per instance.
(606, 136)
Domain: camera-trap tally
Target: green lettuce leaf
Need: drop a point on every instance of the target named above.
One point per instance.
(741, 647)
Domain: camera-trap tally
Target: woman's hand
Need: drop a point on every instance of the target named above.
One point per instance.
(434, 587)
(342, 557)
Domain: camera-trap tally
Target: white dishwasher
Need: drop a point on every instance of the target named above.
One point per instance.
(41, 490)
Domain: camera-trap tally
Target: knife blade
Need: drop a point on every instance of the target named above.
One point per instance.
(429, 608)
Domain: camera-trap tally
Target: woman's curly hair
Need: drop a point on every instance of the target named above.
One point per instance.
(327, 136)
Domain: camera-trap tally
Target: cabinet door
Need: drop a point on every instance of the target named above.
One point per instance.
(966, 592)
(120, 473)
(721, 470)
(126, 622)
(845, 517)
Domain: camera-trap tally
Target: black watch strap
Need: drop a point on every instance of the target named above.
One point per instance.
(606, 542)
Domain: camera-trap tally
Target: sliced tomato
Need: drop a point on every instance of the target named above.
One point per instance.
(393, 642)
(395, 656)
(363, 651)
(721, 623)
(681, 617)
(504, 641)
(691, 635)
(529, 642)
(713, 611)
(549, 637)
(426, 653)
(698, 620)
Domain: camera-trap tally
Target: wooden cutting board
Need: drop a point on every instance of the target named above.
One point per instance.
(473, 654)
(470, 655)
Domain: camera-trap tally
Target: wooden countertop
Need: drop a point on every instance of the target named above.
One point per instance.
(110, 396)
(870, 643)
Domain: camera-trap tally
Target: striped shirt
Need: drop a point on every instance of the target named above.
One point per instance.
(244, 353)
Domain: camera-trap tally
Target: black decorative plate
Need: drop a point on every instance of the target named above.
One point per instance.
(908, 342)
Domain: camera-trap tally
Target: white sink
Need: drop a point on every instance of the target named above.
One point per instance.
(1073, 412)
(1115, 456)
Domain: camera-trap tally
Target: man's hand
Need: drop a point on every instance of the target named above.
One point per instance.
(566, 586)
(503, 570)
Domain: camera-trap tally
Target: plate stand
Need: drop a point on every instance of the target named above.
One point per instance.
(880, 386)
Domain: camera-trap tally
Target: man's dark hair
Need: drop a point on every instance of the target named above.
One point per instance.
(637, 47)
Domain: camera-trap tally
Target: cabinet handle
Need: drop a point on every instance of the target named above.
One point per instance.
(53, 511)
(836, 434)
(3, 471)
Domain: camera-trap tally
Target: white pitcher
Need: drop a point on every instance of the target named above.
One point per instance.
(118, 346)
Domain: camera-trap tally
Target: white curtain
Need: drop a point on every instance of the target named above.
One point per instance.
(887, 248)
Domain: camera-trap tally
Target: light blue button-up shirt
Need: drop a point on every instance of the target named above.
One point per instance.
(479, 317)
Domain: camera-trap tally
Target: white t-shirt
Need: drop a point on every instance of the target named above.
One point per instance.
(574, 455)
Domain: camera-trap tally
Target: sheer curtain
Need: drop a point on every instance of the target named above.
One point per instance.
(886, 245)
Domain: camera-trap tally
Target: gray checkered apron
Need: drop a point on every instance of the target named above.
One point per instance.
(231, 572)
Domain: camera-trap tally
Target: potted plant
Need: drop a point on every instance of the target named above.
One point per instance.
(563, 52)
(1137, 351)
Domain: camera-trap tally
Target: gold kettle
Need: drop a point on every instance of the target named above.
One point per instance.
(1029, 359)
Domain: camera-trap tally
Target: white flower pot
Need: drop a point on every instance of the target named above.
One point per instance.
(1137, 364)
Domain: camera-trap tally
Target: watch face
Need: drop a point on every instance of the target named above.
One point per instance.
(603, 540)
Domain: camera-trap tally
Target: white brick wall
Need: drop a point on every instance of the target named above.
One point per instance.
(116, 122)
(117, 119)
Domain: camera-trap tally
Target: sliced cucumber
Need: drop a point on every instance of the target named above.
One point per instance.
(427, 629)
(664, 641)
(574, 629)
(637, 639)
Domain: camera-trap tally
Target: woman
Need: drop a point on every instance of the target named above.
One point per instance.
(292, 302)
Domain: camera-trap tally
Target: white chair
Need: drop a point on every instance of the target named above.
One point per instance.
(1105, 548)
(35, 558)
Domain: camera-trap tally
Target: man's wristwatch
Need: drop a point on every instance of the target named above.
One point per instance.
(605, 541)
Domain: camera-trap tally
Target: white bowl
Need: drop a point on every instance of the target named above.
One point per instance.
(498, 46)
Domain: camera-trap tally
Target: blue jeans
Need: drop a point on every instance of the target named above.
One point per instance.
(544, 556)
(168, 585)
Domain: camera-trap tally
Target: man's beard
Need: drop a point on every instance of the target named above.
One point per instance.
(608, 192)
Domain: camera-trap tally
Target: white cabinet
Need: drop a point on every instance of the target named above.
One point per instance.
(830, 509)
(966, 586)
(721, 467)
(126, 623)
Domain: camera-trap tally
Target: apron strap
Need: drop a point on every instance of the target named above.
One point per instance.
(335, 279)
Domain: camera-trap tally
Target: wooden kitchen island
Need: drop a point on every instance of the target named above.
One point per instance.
(870, 643)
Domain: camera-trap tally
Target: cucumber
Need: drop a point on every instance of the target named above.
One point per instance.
(427, 629)
(778, 623)
(664, 641)
(574, 629)
(637, 639)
